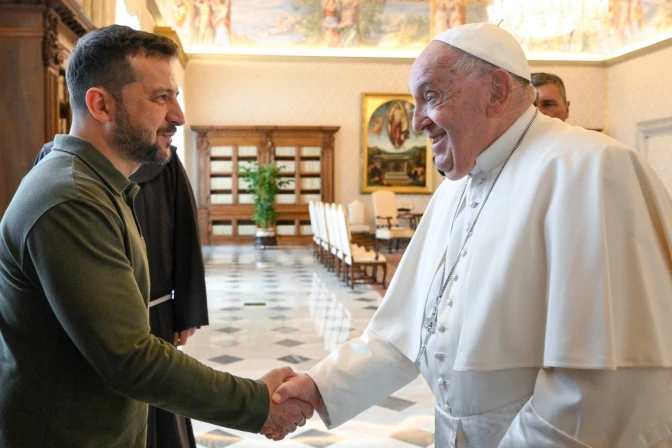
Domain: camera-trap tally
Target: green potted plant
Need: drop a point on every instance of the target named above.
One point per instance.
(263, 183)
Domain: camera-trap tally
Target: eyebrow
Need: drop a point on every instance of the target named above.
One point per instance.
(156, 92)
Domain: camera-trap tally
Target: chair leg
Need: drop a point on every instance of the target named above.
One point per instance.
(389, 245)
(352, 275)
(397, 245)
(384, 275)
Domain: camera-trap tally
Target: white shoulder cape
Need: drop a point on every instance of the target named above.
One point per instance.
(570, 266)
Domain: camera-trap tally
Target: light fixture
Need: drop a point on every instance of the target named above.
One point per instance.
(548, 19)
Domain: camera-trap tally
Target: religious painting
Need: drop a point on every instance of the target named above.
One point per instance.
(394, 156)
(201, 23)
(397, 25)
(448, 14)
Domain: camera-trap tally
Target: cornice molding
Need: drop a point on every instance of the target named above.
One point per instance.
(172, 35)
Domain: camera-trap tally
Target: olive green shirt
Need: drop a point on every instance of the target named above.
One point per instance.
(77, 362)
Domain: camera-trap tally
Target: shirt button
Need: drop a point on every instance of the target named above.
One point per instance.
(438, 355)
(447, 408)
(473, 204)
(441, 381)
(479, 180)
(464, 253)
(455, 277)
(450, 303)
(442, 328)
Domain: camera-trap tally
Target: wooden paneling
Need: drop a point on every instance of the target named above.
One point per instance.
(35, 38)
(307, 150)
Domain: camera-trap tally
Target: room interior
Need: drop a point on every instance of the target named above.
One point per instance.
(617, 72)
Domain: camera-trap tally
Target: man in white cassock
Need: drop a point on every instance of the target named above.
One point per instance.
(536, 295)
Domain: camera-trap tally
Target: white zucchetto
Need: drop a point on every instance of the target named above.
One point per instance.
(490, 43)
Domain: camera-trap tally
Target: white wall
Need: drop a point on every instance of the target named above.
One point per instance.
(586, 89)
(640, 90)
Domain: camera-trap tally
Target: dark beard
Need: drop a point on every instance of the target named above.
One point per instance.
(135, 144)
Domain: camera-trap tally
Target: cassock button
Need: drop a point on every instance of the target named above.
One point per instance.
(473, 204)
(464, 252)
(447, 408)
(455, 277)
(450, 303)
(441, 381)
(442, 328)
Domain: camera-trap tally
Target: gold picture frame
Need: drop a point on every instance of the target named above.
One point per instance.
(394, 156)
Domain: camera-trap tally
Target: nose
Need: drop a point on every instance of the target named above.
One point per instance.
(175, 114)
(420, 120)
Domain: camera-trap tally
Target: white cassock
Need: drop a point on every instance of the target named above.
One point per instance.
(556, 330)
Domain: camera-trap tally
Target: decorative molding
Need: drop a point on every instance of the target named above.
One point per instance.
(638, 53)
(72, 15)
(202, 143)
(51, 54)
(651, 128)
(172, 35)
(21, 32)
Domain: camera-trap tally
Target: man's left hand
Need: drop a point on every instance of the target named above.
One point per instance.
(181, 337)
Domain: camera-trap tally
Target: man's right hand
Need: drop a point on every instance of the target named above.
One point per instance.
(283, 417)
(301, 387)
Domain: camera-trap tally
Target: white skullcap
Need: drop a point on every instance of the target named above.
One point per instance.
(490, 43)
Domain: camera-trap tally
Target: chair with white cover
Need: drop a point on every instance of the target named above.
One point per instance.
(334, 236)
(387, 219)
(325, 254)
(357, 220)
(358, 259)
(314, 228)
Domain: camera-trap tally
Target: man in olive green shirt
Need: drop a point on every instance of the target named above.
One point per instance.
(77, 362)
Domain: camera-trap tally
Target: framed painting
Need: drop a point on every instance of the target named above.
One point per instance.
(394, 156)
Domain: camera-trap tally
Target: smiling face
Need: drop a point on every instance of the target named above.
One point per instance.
(148, 115)
(450, 109)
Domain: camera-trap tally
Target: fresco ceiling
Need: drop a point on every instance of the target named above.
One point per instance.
(547, 29)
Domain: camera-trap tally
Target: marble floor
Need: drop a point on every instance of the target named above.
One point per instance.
(281, 307)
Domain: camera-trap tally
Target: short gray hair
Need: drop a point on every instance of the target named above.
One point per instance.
(468, 66)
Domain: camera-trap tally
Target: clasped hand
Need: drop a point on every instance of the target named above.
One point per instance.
(294, 398)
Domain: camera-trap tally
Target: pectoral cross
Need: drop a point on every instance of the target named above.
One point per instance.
(430, 325)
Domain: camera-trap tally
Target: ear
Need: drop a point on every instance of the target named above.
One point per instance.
(101, 104)
(567, 107)
(501, 91)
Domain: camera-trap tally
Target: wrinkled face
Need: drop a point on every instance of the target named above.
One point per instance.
(149, 114)
(450, 109)
(550, 102)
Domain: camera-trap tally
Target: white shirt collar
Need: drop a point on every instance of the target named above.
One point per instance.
(496, 154)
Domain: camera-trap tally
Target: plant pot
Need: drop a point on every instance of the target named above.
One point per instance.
(265, 238)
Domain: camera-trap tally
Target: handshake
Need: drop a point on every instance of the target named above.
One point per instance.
(294, 397)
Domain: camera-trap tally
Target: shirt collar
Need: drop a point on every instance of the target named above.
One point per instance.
(95, 160)
(496, 154)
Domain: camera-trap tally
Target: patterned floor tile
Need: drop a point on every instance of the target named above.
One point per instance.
(217, 439)
(317, 438)
(396, 404)
(414, 436)
(289, 343)
(227, 343)
(285, 329)
(225, 359)
(279, 308)
(320, 313)
(294, 359)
